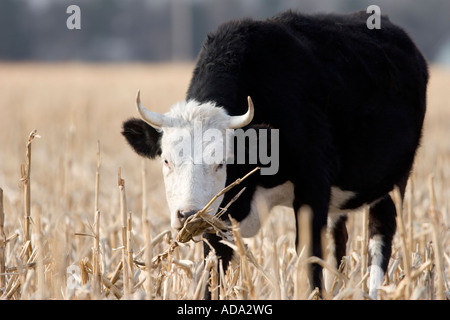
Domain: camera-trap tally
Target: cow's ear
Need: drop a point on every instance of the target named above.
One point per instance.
(142, 137)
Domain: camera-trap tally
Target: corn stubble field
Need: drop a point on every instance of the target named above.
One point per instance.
(73, 228)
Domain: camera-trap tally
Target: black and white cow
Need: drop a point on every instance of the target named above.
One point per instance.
(348, 104)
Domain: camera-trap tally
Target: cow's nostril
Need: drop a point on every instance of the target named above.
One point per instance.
(187, 214)
(184, 214)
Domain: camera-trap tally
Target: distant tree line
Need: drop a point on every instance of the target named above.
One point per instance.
(159, 30)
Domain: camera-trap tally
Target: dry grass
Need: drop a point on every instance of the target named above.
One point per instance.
(87, 230)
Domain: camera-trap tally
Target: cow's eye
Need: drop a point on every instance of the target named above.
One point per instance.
(166, 162)
(219, 166)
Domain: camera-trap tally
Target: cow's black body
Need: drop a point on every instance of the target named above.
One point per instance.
(349, 104)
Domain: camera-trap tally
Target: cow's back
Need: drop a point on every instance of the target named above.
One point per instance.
(326, 60)
(357, 63)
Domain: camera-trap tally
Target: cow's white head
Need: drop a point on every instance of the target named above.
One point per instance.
(192, 140)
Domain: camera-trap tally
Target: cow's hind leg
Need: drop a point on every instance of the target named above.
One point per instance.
(382, 225)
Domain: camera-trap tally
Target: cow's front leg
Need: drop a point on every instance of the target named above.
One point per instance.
(223, 252)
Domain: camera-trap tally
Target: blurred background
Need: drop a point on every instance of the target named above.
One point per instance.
(173, 30)
(76, 87)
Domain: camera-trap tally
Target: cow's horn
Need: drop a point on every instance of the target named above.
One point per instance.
(237, 122)
(152, 118)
